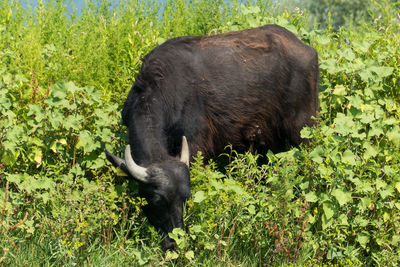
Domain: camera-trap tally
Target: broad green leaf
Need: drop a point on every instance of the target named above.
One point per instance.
(28, 185)
(387, 192)
(355, 101)
(379, 113)
(390, 121)
(87, 142)
(323, 39)
(38, 157)
(218, 185)
(189, 255)
(325, 171)
(71, 87)
(394, 135)
(56, 118)
(43, 183)
(251, 209)
(15, 178)
(386, 217)
(361, 46)
(396, 240)
(370, 150)
(347, 53)
(382, 71)
(311, 219)
(15, 133)
(139, 255)
(59, 91)
(304, 185)
(380, 184)
(45, 197)
(62, 141)
(329, 210)
(9, 157)
(363, 186)
(330, 65)
(340, 90)
(376, 129)
(199, 196)
(160, 40)
(363, 239)
(95, 95)
(344, 124)
(306, 132)
(290, 155)
(335, 156)
(5, 103)
(343, 197)
(366, 118)
(348, 157)
(333, 253)
(196, 229)
(7, 78)
(53, 146)
(232, 185)
(366, 75)
(316, 154)
(397, 185)
(365, 203)
(37, 111)
(342, 220)
(389, 171)
(311, 197)
(72, 122)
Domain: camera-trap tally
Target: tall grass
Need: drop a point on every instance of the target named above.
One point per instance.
(103, 46)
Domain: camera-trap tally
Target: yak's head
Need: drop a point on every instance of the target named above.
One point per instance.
(165, 186)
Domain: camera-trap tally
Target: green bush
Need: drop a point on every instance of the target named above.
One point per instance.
(63, 80)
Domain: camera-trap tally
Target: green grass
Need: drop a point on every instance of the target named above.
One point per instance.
(63, 81)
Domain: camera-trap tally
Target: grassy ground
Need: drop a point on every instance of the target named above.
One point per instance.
(63, 80)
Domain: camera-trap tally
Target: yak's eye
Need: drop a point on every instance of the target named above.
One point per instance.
(158, 200)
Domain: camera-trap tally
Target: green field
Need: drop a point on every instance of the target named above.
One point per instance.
(64, 79)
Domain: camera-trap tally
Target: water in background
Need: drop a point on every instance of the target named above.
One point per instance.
(77, 5)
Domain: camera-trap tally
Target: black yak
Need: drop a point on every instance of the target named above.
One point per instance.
(254, 89)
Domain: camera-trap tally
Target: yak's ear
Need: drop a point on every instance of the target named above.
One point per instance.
(115, 161)
(118, 163)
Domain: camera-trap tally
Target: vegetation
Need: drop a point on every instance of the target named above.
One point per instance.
(337, 13)
(63, 80)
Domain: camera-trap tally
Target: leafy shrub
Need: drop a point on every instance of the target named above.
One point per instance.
(63, 80)
(51, 150)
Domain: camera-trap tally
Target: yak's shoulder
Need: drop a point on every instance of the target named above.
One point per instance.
(172, 47)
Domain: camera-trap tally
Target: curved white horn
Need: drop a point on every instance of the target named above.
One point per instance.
(185, 155)
(140, 173)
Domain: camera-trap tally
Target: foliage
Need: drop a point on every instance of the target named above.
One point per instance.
(63, 80)
(346, 13)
